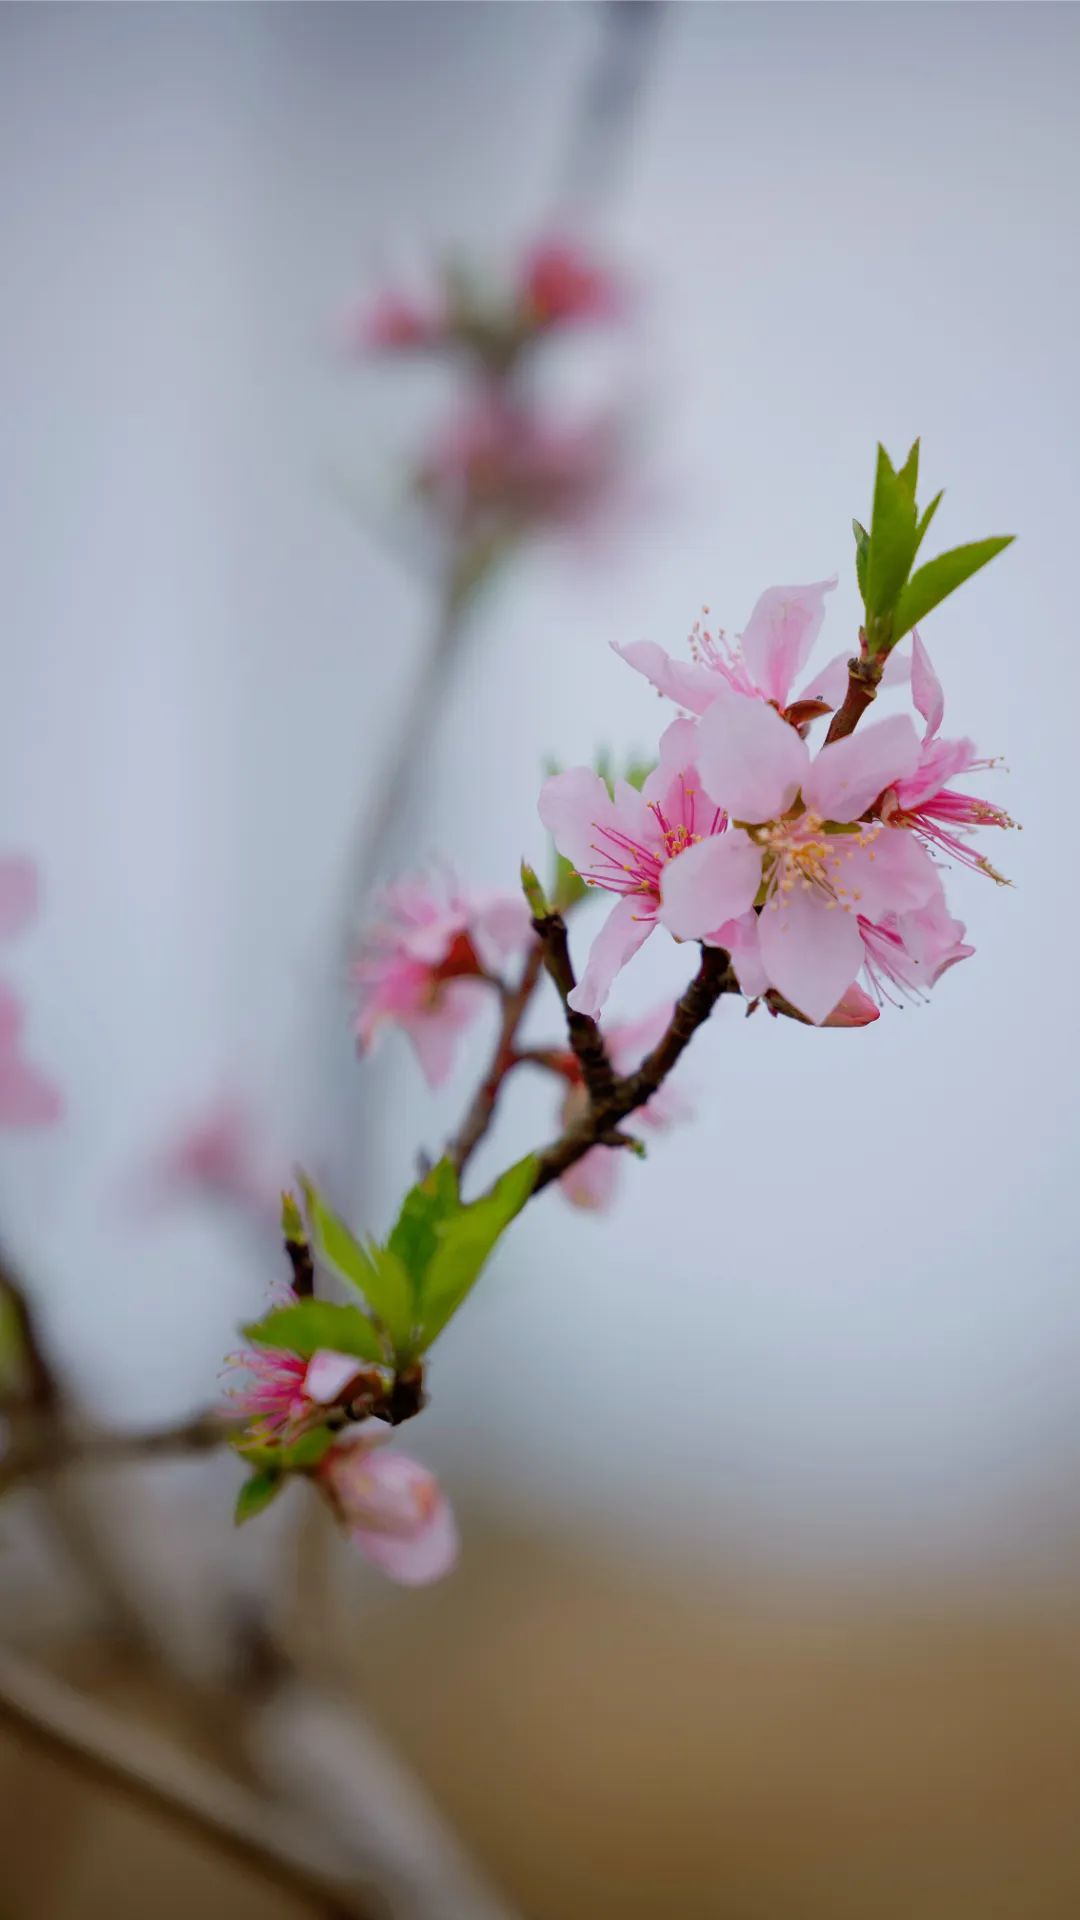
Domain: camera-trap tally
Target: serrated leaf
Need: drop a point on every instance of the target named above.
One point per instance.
(335, 1247)
(933, 583)
(414, 1237)
(465, 1241)
(312, 1325)
(892, 537)
(257, 1493)
(862, 549)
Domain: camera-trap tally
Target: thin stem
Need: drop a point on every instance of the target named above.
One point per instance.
(586, 1039)
(862, 686)
(504, 1058)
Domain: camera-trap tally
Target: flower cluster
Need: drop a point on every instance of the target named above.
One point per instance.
(554, 285)
(27, 1097)
(813, 869)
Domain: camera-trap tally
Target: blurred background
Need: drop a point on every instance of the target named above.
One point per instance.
(767, 1477)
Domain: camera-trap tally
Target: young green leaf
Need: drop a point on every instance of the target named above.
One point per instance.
(892, 538)
(862, 551)
(311, 1325)
(414, 1237)
(908, 474)
(464, 1241)
(335, 1247)
(256, 1493)
(934, 582)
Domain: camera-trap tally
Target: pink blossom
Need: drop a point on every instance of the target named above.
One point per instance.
(799, 850)
(399, 323)
(924, 801)
(559, 283)
(907, 953)
(422, 967)
(27, 1097)
(854, 1009)
(216, 1153)
(773, 650)
(593, 1180)
(500, 465)
(393, 1507)
(278, 1393)
(626, 842)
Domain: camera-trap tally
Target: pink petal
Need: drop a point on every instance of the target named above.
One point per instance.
(926, 690)
(631, 1040)
(780, 635)
(431, 942)
(752, 763)
(27, 1098)
(742, 939)
(811, 951)
(593, 1181)
(18, 894)
(847, 777)
(414, 1538)
(830, 685)
(854, 1009)
(686, 682)
(677, 757)
(328, 1373)
(708, 884)
(891, 874)
(434, 1032)
(897, 671)
(500, 928)
(576, 804)
(626, 928)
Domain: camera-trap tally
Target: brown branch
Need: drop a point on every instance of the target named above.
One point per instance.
(57, 1446)
(715, 976)
(586, 1038)
(504, 1058)
(862, 686)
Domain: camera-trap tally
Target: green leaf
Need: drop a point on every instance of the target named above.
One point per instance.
(920, 531)
(934, 582)
(415, 1235)
(312, 1324)
(862, 550)
(892, 536)
(257, 1493)
(464, 1241)
(335, 1247)
(281, 1457)
(568, 886)
(908, 474)
(391, 1295)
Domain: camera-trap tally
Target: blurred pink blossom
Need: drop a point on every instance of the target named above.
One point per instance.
(422, 966)
(218, 1155)
(27, 1097)
(560, 283)
(499, 467)
(393, 1507)
(397, 323)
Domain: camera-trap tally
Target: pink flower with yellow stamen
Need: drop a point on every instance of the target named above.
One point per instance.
(625, 842)
(278, 1394)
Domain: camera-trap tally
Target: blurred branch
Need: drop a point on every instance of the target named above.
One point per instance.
(608, 101)
(58, 1447)
(115, 1753)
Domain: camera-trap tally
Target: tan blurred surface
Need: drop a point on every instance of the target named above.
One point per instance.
(613, 1746)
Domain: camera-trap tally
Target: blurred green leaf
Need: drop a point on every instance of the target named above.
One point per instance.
(934, 582)
(568, 887)
(314, 1324)
(464, 1242)
(257, 1493)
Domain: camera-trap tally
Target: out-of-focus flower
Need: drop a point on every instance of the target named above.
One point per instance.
(423, 966)
(399, 323)
(393, 1508)
(625, 842)
(215, 1155)
(27, 1097)
(763, 665)
(277, 1393)
(501, 468)
(923, 800)
(592, 1181)
(560, 284)
(812, 870)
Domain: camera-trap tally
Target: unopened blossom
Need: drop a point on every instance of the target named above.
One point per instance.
(501, 466)
(624, 842)
(277, 1393)
(924, 800)
(763, 665)
(593, 1180)
(27, 1097)
(393, 1508)
(560, 283)
(423, 965)
(799, 850)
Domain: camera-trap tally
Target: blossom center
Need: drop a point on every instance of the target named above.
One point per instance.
(799, 852)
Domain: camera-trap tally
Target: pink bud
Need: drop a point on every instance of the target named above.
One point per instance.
(393, 1507)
